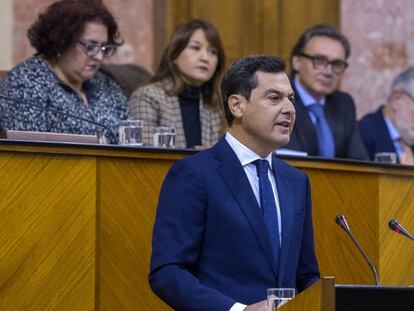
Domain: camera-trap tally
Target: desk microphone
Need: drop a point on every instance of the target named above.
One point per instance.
(64, 113)
(341, 221)
(396, 227)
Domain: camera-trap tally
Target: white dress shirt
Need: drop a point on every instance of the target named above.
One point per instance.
(246, 158)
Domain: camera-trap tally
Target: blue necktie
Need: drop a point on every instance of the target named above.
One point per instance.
(323, 131)
(267, 202)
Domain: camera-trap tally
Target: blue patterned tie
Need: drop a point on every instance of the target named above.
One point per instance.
(323, 131)
(267, 202)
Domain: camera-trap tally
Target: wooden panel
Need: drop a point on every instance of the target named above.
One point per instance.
(271, 27)
(48, 219)
(47, 232)
(254, 27)
(298, 15)
(129, 194)
(355, 196)
(396, 251)
(320, 296)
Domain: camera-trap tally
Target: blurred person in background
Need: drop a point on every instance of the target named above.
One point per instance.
(60, 85)
(391, 127)
(183, 93)
(326, 122)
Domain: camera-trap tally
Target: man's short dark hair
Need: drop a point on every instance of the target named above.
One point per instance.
(241, 77)
(320, 30)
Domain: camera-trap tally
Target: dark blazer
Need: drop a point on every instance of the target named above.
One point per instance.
(375, 135)
(210, 244)
(340, 113)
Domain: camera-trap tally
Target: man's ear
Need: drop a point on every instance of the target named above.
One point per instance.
(235, 103)
(395, 99)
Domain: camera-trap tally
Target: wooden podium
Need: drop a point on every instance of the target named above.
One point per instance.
(76, 223)
(318, 297)
(324, 295)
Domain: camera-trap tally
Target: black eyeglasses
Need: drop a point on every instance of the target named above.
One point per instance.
(318, 61)
(93, 48)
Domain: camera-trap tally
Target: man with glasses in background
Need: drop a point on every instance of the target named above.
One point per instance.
(326, 124)
(391, 127)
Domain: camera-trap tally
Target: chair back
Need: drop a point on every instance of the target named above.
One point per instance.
(128, 76)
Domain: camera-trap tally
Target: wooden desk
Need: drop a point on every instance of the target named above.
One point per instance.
(369, 195)
(76, 223)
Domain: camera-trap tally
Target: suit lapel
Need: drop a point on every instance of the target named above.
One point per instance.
(205, 126)
(236, 181)
(175, 115)
(305, 130)
(285, 192)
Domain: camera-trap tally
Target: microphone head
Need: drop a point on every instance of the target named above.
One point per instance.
(393, 225)
(396, 227)
(341, 221)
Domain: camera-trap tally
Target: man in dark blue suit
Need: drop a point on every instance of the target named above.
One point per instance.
(226, 231)
(326, 122)
(391, 127)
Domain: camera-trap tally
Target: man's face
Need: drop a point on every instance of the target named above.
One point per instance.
(404, 118)
(266, 119)
(317, 79)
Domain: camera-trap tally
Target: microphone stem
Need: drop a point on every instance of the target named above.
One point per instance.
(374, 271)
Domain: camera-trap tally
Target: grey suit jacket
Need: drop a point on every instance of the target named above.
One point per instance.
(156, 107)
(340, 114)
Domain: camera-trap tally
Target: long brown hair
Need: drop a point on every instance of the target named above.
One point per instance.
(168, 70)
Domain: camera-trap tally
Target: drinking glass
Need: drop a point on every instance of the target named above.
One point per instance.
(386, 157)
(164, 137)
(130, 132)
(277, 297)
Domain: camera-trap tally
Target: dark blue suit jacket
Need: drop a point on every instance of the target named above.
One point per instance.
(210, 244)
(340, 113)
(375, 135)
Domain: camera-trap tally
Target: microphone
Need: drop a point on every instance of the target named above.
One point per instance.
(64, 113)
(341, 221)
(396, 227)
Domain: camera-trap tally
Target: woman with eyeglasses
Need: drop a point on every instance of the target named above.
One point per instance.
(60, 89)
(183, 93)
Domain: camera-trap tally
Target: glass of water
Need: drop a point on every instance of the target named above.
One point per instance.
(277, 297)
(386, 157)
(130, 132)
(164, 137)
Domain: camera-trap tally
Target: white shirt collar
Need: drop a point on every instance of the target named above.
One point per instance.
(305, 96)
(246, 156)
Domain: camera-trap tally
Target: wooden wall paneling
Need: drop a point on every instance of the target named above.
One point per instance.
(255, 27)
(129, 193)
(298, 15)
(177, 12)
(271, 27)
(242, 24)
(47, 232)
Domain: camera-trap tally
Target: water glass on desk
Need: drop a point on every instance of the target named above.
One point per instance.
(130, 132)
(164, 137)
(277, 297)
(386, 157)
